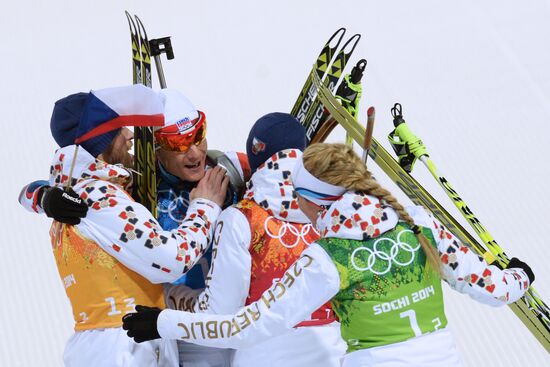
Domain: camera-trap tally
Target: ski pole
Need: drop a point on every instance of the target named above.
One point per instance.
(350, 92)
(368, 133)
(530, 309)
(158, 47)
(59, 225)
(409, 148)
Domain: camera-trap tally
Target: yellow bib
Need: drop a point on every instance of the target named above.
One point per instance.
(101, 290)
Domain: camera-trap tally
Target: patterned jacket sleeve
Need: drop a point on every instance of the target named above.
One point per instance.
(229, 276)
(306, 285)
(468, 273)
(128, 231)
(29, 196)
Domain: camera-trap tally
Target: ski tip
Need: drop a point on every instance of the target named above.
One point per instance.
(336, 37)
(341, 29)
(370, 111)
(351, 43)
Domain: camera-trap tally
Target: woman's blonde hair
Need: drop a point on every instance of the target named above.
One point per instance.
(339, 165)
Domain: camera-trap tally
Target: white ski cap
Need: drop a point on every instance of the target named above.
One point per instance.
(178, 110)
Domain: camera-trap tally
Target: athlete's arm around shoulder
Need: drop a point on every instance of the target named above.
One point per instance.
(29, 196)
(62, 204)
(307, 284)
(468, 273)
(227, 282)
(128, 231)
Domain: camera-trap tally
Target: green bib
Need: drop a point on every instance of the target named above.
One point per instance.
(387, 293)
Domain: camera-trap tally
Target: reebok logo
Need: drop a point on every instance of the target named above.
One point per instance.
(73, 199)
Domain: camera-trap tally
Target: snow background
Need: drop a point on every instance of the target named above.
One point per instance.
(473, 78)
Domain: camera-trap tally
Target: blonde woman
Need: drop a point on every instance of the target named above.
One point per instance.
(378, 263)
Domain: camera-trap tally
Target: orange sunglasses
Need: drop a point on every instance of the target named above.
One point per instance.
(171, 139)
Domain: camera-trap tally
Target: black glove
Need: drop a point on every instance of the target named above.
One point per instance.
(63, 206)
(517, 263)
(142, 325)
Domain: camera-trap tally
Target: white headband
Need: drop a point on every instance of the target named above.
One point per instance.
(313, 189)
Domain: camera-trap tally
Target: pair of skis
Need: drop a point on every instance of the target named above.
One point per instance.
(531, 309)
(145, 179)
(328, 67)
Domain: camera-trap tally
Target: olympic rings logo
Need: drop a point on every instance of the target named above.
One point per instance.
(298, 234)
(173, 206)
(375, 254)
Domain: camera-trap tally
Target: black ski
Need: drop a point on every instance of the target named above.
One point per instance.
(317, 112)
(349, 92)
(145, 182)
(308, 92)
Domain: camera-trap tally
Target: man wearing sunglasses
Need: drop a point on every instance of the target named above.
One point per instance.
(183, 160)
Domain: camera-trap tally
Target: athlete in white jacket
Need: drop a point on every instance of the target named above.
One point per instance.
(118, 254)
(183, 160)
(255, 242)
(379, 264)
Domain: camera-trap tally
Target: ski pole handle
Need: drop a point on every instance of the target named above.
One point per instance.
(59, 226)
(405, 135)
(158, 47)
(368, 133)
(358, 70)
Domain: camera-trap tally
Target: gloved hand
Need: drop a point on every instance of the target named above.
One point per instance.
(142, 325)
(63, 206)
(517, 263)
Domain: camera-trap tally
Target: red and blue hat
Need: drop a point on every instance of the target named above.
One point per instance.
(93, 119)
(272, 133)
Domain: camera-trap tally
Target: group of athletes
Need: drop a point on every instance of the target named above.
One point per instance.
(311, 263)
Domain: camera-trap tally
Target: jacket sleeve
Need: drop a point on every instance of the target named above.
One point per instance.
(228, 280)
(469, 273)
(28, 197)
(127, 231)
(240, 161)
(305, 286)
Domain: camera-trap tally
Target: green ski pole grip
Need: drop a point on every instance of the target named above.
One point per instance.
(416, 147)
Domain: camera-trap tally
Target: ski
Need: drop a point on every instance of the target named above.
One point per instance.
(409, 148)
(316, 112)
(307, 94)
(349, 92)
(145, 50)
(136, 54)
(145, 182)
(531, 310)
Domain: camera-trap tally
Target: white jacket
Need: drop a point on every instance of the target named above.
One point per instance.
(314, 279)
(227, 285)
(124, 228)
